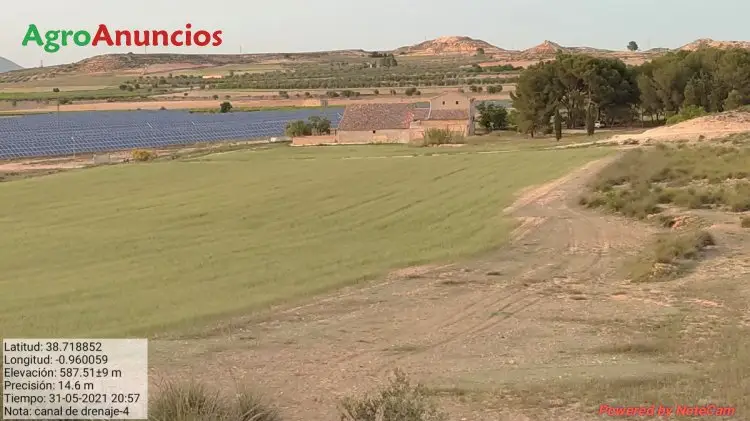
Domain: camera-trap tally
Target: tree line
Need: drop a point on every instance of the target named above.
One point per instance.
(292, 82)
(577, 89)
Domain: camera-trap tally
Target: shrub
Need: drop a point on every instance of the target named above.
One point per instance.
(687, 113)
(298, 128)
(745, 221)
(494, 89)
(441, 137)
(671, 255)
(399, 401)
(225, 107)
(319, 125)
(142, 155)
(194, 402)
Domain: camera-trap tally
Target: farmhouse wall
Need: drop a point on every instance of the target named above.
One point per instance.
(450, 101)
(313, 140)
(379, 136)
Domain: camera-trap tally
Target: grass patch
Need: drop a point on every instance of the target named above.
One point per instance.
(703, 177)
(107, 93)
(671, 255)
(195, 402)
(436, 137)
(180, 244)
(398, 401)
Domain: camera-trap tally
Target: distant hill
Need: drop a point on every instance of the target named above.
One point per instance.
(449, 45)
(544, 49)
(7, 65)
(708, 42)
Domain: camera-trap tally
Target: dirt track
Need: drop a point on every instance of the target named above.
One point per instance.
(534, 311)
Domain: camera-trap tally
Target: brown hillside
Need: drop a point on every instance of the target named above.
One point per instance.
(708, 42)
(546, 49)
(449, 45)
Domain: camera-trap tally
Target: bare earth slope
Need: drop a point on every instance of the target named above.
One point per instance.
(513, 318)
(708, 127)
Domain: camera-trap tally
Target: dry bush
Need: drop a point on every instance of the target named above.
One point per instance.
(703, 177)
(745, 221)
(671, 255)
(399, 401)
(434, 137)
(194, 402)
(142, 155)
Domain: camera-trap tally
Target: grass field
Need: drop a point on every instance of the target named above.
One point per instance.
(136, 249)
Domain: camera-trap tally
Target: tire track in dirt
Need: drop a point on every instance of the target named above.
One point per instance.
(551, 201)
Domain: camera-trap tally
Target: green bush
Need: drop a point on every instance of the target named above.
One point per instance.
(399, 401)
(687, 113)
(298, 128)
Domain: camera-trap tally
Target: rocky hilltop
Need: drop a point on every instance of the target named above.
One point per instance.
(708, 42)
(545, 48)
(449, 45)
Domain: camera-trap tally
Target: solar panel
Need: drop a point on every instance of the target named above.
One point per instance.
(81, 132)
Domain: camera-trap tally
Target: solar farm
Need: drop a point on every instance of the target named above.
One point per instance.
(63, 134)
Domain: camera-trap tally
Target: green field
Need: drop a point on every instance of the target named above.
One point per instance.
(113, 93)
(145, 248)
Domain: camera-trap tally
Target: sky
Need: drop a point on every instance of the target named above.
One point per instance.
(253, 26)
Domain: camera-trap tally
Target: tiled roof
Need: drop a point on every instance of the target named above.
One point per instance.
(359, 117)
(421, 113)
(449, 115)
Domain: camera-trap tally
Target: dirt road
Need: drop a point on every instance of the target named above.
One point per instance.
(545, 307)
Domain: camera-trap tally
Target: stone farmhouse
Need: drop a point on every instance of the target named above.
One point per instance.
(401, 122)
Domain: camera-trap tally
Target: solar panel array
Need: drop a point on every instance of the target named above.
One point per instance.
(69, 133)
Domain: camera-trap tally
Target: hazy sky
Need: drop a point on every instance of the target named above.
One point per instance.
(314, 25)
